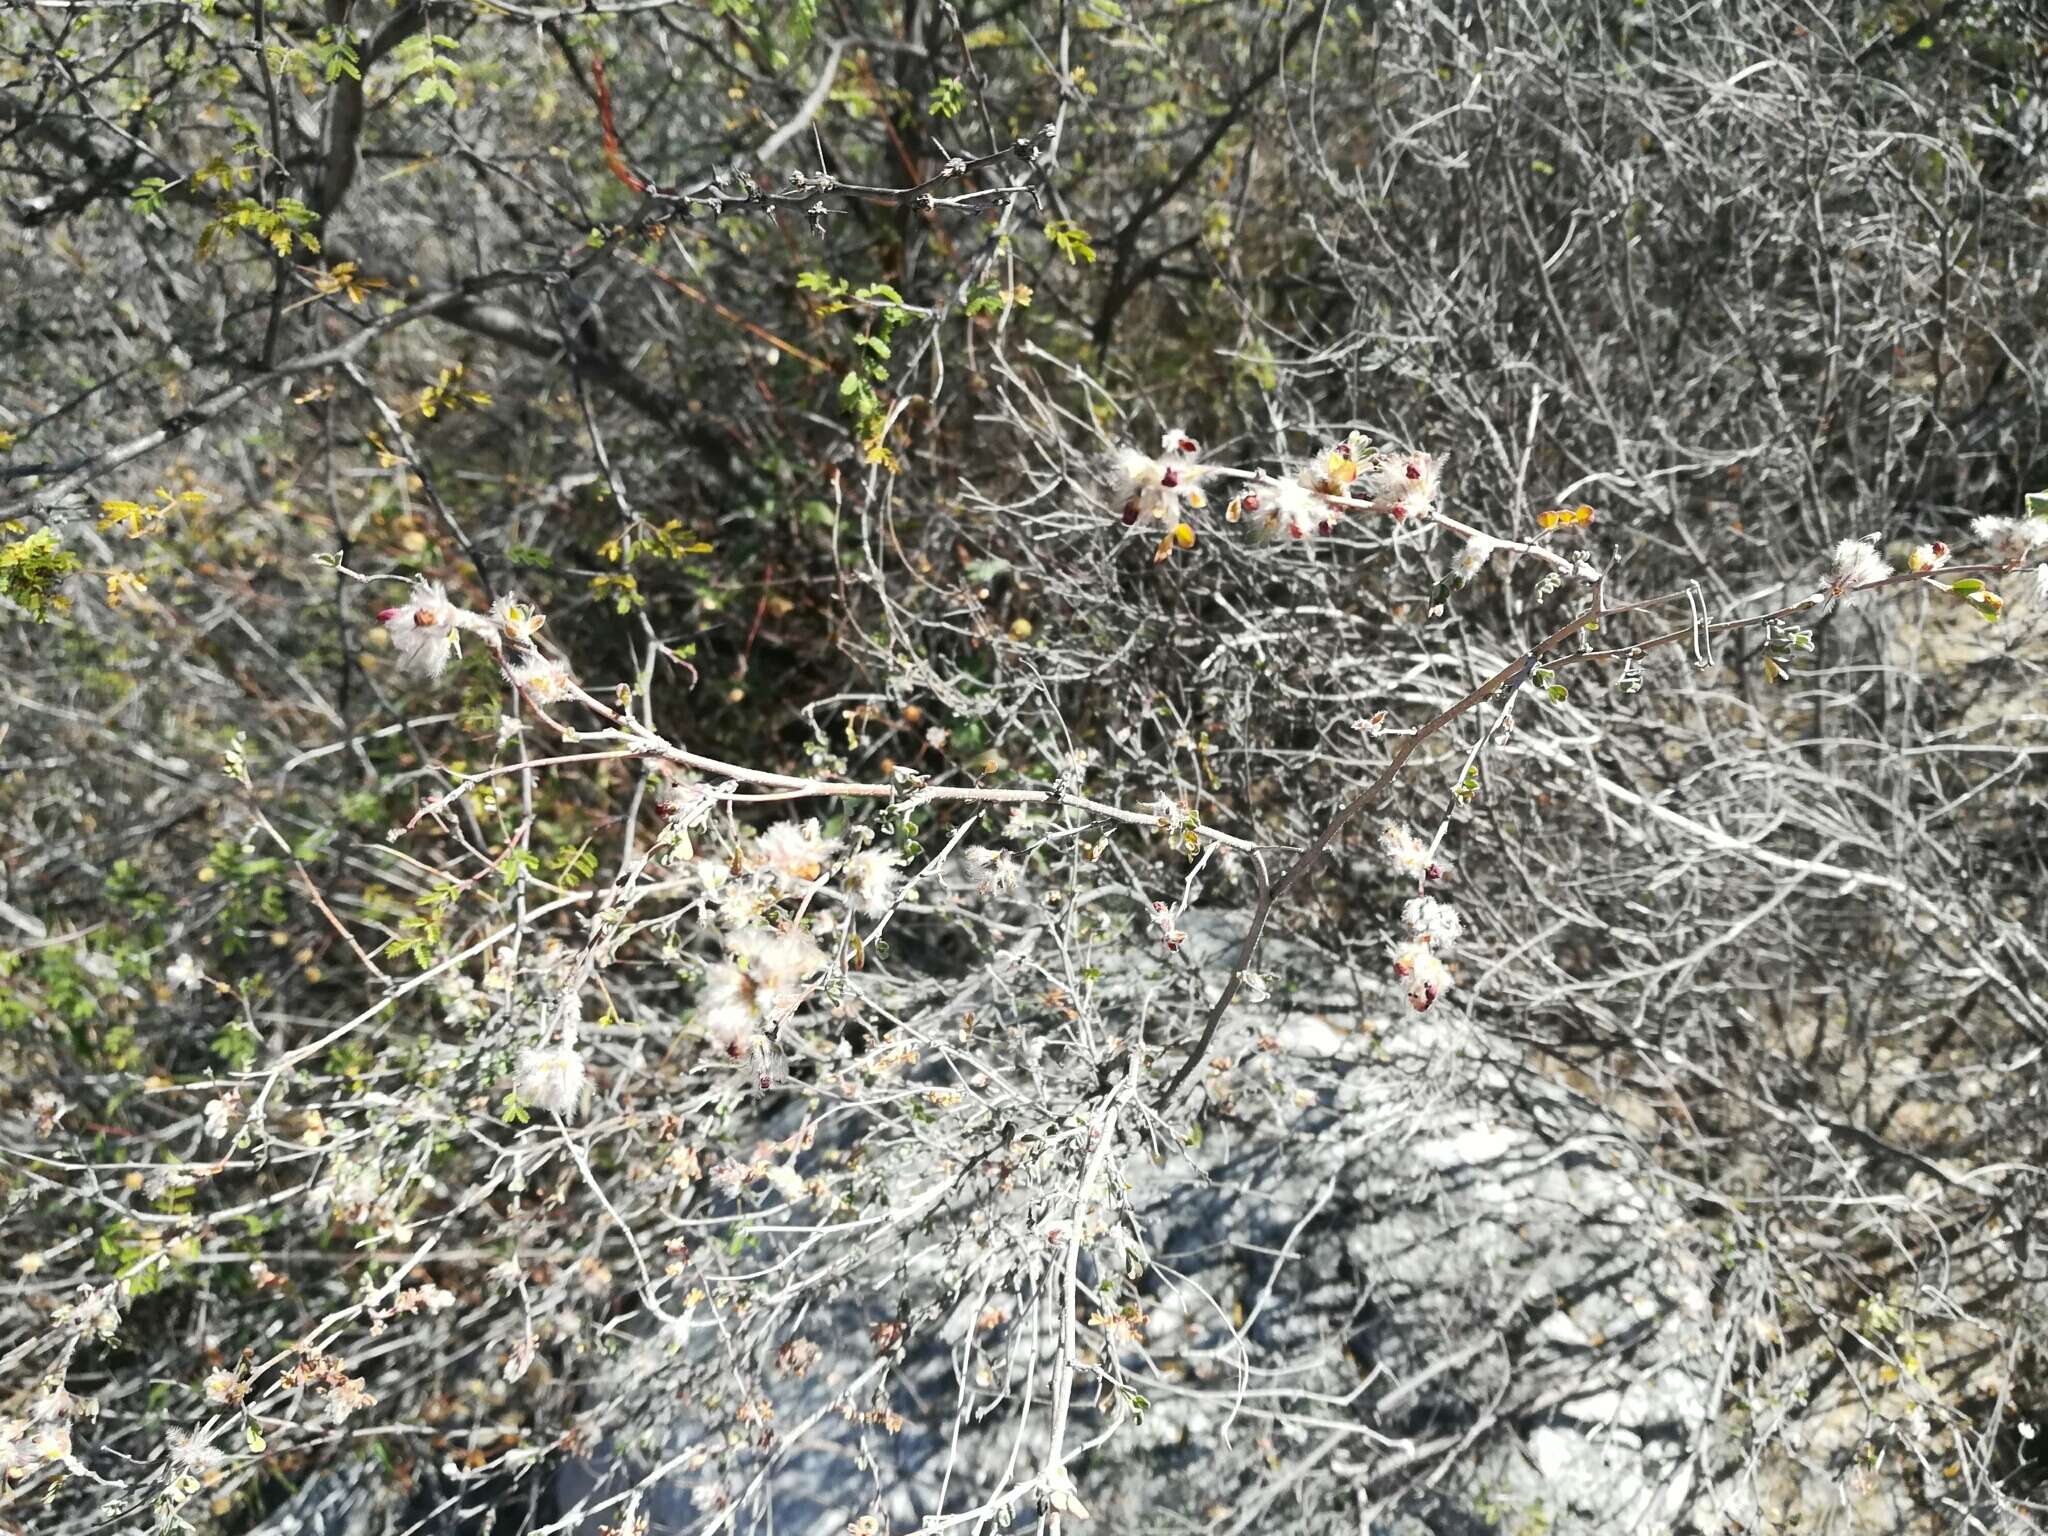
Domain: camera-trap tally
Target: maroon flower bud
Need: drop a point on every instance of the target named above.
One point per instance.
(1414, 472)
(1940, 550)
(1170, 479)
(1189, 446)
(1296, 532)
(1326, 526)
(1434, 872)
(1130, 513)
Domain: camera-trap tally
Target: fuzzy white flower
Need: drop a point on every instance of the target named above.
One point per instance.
(743, 1002)
(551, 1078)
(1854, 563)
(50, 1442)
(998, 871)
(1404, 850)
(1158, 488)
(191, 1453)
(346, 1398)
(184, 973)
(795, 852)
(1424, 972)
(52, 1405)
(94, 1312)
(1292, 510)
(1402, 485)
(786, 1181)
(870, 879)
(424, 632)
(1471, 560)
(2012, 538)
(1432, 922)
(224, 1388)
(540, 677)
(517, 621)
(221, 1113)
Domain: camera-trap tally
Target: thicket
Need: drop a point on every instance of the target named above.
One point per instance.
(883, 768)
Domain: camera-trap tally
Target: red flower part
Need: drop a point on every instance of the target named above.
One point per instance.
(1251, 501)
(385, 616)
(1130, 513)
(1940, 550)
(1434, 872)
(1170, 479)
(1326, 526)
(1414, 473)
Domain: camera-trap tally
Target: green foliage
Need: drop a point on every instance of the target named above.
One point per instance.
(335, 53)
(880, 311)
(148, 195)
(1071, 241)
(947, 98)
(31, 569)
(422, 58)
(282, 226)
(236, 1045)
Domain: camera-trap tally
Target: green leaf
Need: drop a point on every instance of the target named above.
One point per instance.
(148, 196)
(1071, 241)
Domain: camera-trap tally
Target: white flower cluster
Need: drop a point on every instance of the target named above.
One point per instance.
(870, 880)
(997, 874)
(551, 1078)
(1854, 563)
(1408, 853)
(1434, 928)
(1163, 487)
(793, 853)
(426, 632)
(552, 1074)
(1472, 558)
(2013, 538)
(41, 1438)
(1400, 486)
(746, 999)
